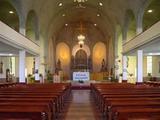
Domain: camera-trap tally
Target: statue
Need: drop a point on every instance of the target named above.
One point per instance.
(103, 67)
(1, 67)
(58, 66)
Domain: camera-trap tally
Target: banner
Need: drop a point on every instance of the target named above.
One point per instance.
(80, 76)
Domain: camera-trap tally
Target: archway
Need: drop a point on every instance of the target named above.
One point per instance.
(131, 24)
(32, 26)
(99, 53)
(8, 15)
(63, 54)
(81, 59)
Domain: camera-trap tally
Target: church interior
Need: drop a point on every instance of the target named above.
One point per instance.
(79, 59)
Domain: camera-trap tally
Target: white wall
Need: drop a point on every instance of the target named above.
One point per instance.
(155, 66)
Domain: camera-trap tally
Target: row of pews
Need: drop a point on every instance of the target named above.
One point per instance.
(33, 101)
(124, 101)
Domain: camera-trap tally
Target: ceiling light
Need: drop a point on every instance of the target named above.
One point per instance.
(11, 12)
(60, 4)
(98, 15)
(66, 24)
(150, 11)
(95, 24)
(63, 15)
(6, 54)
(101, 4)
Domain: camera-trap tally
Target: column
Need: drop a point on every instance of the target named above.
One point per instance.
(139, 66)
(116, 54)
(22, 62)
(139, 23)
(37, 63)
(124, 65)
(22, 24)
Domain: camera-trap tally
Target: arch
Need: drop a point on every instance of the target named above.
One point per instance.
(98, 54)
(32, 31)
(8, 15)
(151, 18)
(129, 25)
(81, 59)
(77, 48)
(63, 54)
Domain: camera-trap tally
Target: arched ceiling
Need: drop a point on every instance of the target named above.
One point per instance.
(51, 18)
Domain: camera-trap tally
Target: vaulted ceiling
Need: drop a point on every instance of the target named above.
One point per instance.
(54, 14)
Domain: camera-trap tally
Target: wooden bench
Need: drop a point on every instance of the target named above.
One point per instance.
(36, 101)
(116, 101)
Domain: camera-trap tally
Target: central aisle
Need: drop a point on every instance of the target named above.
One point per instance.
(81, 106)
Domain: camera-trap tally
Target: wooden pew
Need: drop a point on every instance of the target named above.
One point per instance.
(43, 101)
(113, 97)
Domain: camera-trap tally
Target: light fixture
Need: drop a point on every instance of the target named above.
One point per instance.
(80, 1)
(81, 43)
(150, 11)
(63, 15)
(81, 37)
(98, 15)
(81, 40)
(100, 4)
(66, 24)
(11, 12)
(60, 4)
(95, 24)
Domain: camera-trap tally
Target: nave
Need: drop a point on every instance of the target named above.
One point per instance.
(81, 107)
(58, 101)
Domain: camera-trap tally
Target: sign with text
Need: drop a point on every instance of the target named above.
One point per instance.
(80, 76)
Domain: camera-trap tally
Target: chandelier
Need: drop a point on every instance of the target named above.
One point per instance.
(80, 1)
(81, 40)
(81, 37)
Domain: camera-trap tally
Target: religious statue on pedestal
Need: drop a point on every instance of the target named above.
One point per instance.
(103, 67)
(1, 67)
(58, 66)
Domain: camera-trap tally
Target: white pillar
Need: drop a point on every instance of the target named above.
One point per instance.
(139, 66)
(139, 26)
(22, 31)
(22, 24)
(22, 55)
(124, 68)
(37, 63)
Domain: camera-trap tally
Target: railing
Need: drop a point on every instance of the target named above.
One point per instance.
(17, 40)
(144, 38)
